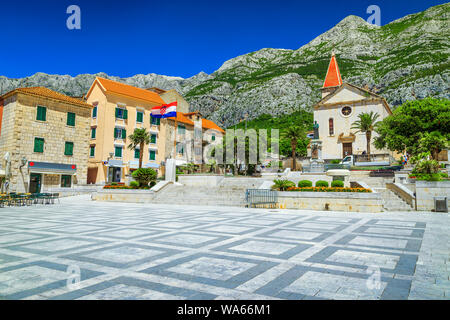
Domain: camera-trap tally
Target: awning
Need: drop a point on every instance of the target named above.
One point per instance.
(114, 163)
(153, 147)
(52, 168)
(151, 165)
(134, 164)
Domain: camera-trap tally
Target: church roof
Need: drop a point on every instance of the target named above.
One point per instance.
(333, 77)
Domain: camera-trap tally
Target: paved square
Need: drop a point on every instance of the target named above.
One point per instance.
(80, 249)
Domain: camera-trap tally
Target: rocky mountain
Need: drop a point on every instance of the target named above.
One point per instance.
(403, 60)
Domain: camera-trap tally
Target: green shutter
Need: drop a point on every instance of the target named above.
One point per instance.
(94, 112)
(93, 133)
(117, 112)
(137, 153)
(92, 151)
(152, 155)
(115, 133)
(213, 137)
(140, 117)
(68, 150)
(124, 134)
(153, 138)
(125, 114)
(118, 152)
(41, 113)
(70, 119)
(38, 145)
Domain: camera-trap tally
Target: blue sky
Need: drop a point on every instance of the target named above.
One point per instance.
(177, 38)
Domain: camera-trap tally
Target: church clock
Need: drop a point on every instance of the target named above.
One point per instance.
(346, 111)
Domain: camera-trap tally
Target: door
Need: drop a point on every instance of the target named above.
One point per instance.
(347, 149)
(114, 174)
(92, 175)
(35, 182)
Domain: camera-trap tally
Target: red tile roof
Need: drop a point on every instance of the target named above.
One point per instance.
(333, 77)
(208, 124)
(130, 91)
(47, 93)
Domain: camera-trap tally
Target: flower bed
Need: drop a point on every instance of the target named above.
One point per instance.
(328, 189)
(123, 187)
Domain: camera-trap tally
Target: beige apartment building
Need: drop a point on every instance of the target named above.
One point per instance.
(46, 135)
(120, 108)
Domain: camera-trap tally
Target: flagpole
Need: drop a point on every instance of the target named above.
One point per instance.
(175, 131)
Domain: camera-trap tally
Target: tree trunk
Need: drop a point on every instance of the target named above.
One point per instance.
(294, 158)
(368, 138)
(141, 153)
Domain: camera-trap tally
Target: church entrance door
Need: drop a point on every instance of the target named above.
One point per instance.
(347, 149)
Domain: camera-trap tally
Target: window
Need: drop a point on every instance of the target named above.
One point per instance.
(120, 133)
(41, 113)
(94, 112)
(71, 119)
(93, 133)
(213, 137)
(121, 113)
(346, 111)
(118, 152)
(331, 126)
(39, 145)
(153, 138)
(152, 155)
(68, 149)
(155, 121)
(137, 153)
(198, 151)
(66, 181)
(92, 151)
(140, 117)
(181, 129)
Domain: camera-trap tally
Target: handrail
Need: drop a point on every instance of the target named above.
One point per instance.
(404, 193)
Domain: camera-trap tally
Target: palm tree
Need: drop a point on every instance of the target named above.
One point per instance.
(140, 137)
(366, 124)
(293, 134)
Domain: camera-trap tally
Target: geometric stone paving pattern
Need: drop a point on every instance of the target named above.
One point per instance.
(80, 249)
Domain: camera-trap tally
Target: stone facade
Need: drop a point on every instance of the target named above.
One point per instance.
(426, 191)
(20, 127)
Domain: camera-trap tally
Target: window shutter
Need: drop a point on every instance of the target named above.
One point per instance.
(137, 153)
(158, 121)
(124, 134)
(117, 112)
(94, 112)
(71, 119)
(125, 114)
(152, 155)
(38, 145)
(115, 133)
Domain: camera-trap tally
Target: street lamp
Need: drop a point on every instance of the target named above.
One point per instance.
(23, 161)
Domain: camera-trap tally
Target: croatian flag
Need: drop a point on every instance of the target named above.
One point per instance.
(165, 111)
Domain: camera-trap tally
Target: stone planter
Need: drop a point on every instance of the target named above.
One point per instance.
(426, 191)
(332, 201)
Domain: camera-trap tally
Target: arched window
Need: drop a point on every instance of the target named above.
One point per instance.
(331, 126)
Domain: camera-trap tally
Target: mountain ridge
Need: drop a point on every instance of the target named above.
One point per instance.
(405, 59)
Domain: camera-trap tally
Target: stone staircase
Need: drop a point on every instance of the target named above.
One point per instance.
(392, 202)
(230, 192)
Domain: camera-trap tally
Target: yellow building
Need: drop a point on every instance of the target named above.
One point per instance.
(46, 134)
(118, 110)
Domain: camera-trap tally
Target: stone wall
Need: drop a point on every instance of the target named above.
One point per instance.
(426, 191)
(332, 201)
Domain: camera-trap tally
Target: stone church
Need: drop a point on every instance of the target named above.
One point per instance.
(338, 109)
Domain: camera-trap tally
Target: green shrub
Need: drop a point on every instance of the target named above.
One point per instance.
(304, 184)
(337, 184)
(152, 184)
(134, 184)
(144, 176)
(321, 183)
(335, 161)
(282, 185)
(114, 184)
